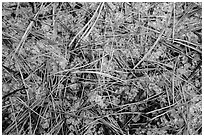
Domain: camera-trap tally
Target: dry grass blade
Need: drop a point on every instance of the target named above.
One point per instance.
(188, 46)
(102, 74)
(14, 115)
(13, 92)
(22, 118)
(139, 102)
(88, 31)
(150, 50)
(56, 128)
(23, 103)
(24, 37)
(77, 68)
(84, 29)
(168, 107)
(116, 129)
(101, 68)
(173, 33)
(173, 79)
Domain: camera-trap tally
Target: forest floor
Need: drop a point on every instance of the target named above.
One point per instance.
(119, 68)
